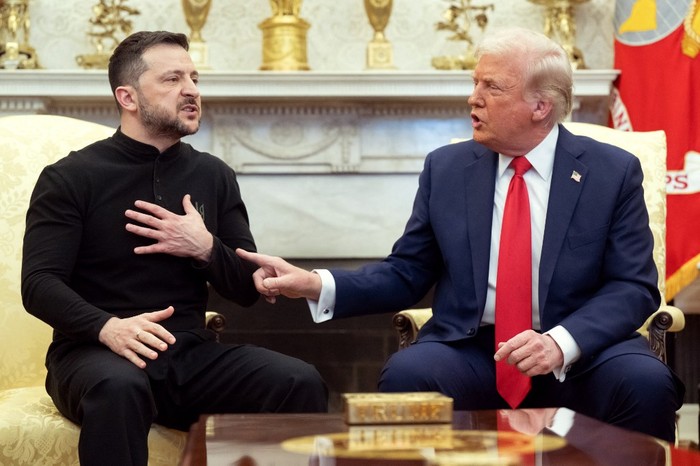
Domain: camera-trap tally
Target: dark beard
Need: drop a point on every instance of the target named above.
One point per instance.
(158, 123)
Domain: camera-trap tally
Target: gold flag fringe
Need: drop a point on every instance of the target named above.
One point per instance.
(682, 277)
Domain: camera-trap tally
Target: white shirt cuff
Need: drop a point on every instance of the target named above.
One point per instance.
(322, 310)
(562, 422)
(568, 347)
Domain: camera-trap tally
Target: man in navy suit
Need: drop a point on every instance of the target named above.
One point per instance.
(594, 281)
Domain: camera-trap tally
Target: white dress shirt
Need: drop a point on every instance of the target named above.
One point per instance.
(538, 180)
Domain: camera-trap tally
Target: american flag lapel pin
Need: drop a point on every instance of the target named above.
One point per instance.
(576, 176)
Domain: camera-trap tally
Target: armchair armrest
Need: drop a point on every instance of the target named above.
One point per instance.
(408, 322)
(215, 322)
(666, 319)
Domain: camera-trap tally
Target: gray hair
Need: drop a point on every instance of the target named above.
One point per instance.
(547, 71)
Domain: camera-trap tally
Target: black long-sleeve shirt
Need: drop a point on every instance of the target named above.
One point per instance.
(79, 268)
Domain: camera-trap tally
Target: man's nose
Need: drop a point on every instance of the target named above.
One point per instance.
(190, 88)
(475, 99)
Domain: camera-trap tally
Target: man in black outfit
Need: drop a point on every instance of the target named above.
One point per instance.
(123, 238)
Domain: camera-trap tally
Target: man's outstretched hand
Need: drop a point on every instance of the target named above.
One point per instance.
(278, 277)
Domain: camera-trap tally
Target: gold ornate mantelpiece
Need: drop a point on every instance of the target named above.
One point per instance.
(15, 49)
(350, 145)
(110, 24)
(284, 38)
(196, 12)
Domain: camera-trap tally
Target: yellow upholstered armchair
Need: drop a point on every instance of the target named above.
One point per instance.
(32, 432)
(650, 148)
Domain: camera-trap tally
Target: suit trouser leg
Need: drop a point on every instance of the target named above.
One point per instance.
(110, 398)
(634, 391)
(464, 371)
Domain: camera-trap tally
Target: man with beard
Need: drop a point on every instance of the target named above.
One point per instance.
(123, 238)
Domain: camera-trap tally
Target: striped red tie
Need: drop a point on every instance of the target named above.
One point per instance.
(514, 281)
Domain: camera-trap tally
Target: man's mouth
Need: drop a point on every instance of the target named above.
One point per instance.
(189, 108)
(476, 121)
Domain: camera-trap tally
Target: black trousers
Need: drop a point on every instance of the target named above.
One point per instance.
(115, 402)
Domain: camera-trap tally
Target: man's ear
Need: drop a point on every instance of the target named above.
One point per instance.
(126, 97)
(542, 110)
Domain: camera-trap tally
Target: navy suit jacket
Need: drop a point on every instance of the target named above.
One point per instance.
(597, 274)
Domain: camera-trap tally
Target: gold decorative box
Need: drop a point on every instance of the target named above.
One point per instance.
(397, 408)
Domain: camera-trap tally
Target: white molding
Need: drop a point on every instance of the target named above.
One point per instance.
(437, 85)
(327, 161)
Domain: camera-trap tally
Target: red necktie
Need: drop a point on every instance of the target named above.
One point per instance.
(514, 281)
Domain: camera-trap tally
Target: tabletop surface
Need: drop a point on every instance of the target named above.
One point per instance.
(505, 437)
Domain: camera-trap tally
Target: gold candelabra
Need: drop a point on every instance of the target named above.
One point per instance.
(284, 38)
(380, 54)
(560, 25)
(196, 12)
(15, 51)
(109, 25)
(458, 18)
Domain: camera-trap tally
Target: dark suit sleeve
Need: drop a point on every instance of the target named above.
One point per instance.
(405, 276)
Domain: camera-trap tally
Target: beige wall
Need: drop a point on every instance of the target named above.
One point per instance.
(336, 41)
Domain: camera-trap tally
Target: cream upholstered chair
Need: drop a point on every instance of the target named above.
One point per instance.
(32, 432)
(650, 148)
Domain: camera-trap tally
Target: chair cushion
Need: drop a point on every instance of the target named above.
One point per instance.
(29, 143)
(33, 432)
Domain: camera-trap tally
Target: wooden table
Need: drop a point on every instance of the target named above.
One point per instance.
(473, 438)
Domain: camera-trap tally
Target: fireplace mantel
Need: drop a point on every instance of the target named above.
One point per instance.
(62, 85)
(327, 161)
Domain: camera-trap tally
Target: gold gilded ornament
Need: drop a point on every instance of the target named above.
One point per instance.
(15, 51)
(560, 26)
(196, 12)
(458, 18)
(691, 36)
(109, 25)
(380, 54)
(284, 38)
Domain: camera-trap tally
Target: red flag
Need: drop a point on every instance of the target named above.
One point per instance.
(657, 45)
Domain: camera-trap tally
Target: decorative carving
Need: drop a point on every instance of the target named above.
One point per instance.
(380, 54)
(284, 38)
(458, 19)
(15, 51)
(109, 25)
(560, 25)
